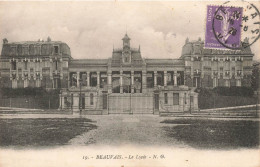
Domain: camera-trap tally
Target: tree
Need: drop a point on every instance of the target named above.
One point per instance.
(255, 77)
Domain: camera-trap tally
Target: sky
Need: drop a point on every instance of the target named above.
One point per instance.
(91, 29)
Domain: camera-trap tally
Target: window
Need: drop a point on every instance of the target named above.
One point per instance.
(165, 98)
(66, 100)
(71, 100)
(57, 83)
(25, 50)
(13, 65)
(175, 98)
(56, 65)
(38, 83)
(185, 100)
(56, 49)
(37, 66)
(25, 65)
(37, 50)
(91, 99)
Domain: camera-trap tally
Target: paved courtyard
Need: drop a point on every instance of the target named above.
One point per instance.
(35, 130)
(126, 129)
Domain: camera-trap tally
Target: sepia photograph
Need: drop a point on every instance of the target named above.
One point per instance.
(129, 83)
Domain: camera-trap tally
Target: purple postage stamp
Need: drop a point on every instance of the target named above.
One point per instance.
(223, 27)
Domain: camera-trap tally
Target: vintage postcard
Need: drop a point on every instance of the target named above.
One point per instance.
(129, 84)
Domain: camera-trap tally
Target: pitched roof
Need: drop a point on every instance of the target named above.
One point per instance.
(164, 61)
(126, 37)
(31, 48)
(197, 47)
(89, 61)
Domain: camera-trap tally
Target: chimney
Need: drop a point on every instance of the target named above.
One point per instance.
(48, 39)
(246, 40)
(187, 40)
(5, 41)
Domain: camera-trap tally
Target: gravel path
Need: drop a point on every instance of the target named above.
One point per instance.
(126, 129)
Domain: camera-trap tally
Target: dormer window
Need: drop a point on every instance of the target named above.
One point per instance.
(227, 73)
(215, 59)
(197, 58)
(25, 64)
(56, 49)
(37, 50)
(25, 50)
(239, 59)
(227, 59)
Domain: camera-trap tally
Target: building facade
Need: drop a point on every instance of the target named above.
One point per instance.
(34, 64)
(126, 82)
(212, 68)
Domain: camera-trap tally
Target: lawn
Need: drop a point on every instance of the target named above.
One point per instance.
(42, 131)
(215, 134)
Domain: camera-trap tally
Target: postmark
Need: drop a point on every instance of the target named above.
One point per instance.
(230, 27)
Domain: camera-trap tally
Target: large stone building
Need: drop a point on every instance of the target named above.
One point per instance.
(126, 82)
(35, 64)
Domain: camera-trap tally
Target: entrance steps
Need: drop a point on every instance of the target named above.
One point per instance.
(92, 112)
(170, 113)
(238, 111)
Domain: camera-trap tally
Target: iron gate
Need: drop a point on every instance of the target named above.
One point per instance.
(130, 103)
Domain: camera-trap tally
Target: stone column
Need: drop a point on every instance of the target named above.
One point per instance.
(155, 78)
(165, 78)
(98, 79)
(88, 79)
(78, 79)
(175, 78)
(121, 81)
(109, 81)
(132, 81)
(144, 81)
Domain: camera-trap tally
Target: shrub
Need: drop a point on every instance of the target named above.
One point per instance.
(225, 97)
(234, 91)
(21, 92)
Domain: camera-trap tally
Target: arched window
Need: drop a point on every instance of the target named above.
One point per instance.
(91, 99)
